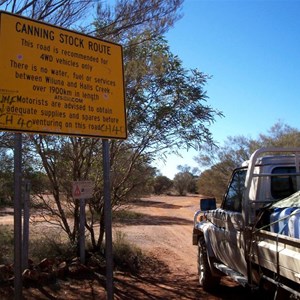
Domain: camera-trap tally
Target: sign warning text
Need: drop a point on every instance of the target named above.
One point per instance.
(54, 80)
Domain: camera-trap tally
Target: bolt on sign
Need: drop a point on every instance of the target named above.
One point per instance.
(58, 81)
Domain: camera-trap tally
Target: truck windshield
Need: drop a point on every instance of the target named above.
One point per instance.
(234, 196)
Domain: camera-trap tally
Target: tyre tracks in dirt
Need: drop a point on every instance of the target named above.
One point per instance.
(163, 230)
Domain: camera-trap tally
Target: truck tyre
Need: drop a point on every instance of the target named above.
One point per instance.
(206, 278)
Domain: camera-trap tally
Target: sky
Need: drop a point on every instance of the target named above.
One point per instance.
(252, 51)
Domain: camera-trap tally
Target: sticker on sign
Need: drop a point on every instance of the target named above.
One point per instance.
(82, 189)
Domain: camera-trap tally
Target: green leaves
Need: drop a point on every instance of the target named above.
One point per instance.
(164, 99)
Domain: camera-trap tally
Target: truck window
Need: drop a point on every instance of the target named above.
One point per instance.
(283, 186)
(234, 196)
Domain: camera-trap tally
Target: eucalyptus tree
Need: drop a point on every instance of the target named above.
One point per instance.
(167, 108)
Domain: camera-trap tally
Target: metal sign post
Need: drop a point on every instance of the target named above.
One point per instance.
(107, 221)
(26, 214)
(82, 231)
(82, 190)
(18, 217)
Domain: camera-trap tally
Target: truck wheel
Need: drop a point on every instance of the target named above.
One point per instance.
(206, 278)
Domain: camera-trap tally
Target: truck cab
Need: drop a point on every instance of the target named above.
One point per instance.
(224, 233)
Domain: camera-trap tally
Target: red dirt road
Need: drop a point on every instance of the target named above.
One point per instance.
(165, 232)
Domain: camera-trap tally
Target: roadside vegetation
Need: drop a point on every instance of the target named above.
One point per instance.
(6, 244)
(127, 256)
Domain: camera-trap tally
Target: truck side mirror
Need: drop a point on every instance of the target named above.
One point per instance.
(208, 204)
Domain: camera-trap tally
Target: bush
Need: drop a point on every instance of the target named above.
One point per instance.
(50, 247)
(182, 182)
(127, 256)
(162, 184)
(6, 244)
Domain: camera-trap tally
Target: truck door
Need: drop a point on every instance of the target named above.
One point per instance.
(230, 224)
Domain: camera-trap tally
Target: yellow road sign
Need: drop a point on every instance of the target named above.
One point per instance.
(53, 80)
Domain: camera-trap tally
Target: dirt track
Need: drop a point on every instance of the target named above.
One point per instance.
(165, 231)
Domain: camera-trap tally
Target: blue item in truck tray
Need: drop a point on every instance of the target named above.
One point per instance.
(274, 217)
(279, 220)
(294, 224)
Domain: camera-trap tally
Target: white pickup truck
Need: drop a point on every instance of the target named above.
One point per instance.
(254, 236)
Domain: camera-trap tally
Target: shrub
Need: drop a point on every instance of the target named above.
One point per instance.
(127, 256)
(6, 244)
(51, 247)
(162, 184)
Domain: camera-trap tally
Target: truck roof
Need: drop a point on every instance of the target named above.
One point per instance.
(272, 160)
